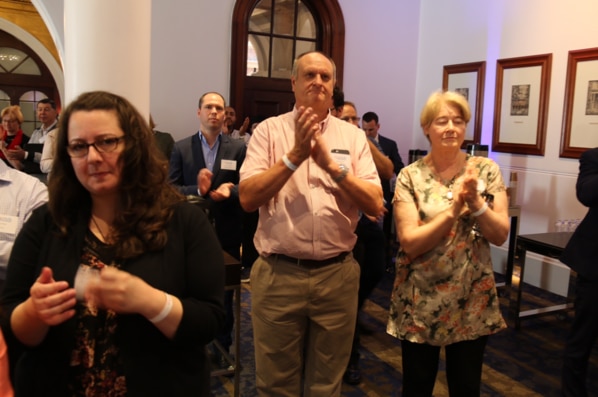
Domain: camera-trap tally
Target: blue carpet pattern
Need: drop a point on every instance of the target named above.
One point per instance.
(518, 363)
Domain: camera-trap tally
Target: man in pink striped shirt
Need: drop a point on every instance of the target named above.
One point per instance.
(309, 174)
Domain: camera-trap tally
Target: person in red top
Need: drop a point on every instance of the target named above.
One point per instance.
(5, 385)
(11, 135)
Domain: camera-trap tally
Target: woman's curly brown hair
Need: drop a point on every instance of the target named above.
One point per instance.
(147, 198)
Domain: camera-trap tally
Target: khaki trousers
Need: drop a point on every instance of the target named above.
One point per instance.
(303, 324)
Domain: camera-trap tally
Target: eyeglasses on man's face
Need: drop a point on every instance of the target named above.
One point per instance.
(104, 144)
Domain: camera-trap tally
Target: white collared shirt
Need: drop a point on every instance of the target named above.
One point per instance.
(21, 194)
(39, 134)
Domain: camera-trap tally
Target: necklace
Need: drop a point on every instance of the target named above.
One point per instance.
(93, 219)
(456, 170)
(449, 194)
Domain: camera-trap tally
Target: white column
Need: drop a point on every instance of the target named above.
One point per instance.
(107, 47)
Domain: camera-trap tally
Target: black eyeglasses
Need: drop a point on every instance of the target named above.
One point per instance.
(105, 144)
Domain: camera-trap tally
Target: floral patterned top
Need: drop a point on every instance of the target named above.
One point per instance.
(447, 294)
(96, 366)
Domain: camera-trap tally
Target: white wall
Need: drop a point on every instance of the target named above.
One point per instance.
(394, 56)
(381, 44)
(190, 56)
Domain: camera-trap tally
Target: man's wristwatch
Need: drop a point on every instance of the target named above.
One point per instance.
(342, 175)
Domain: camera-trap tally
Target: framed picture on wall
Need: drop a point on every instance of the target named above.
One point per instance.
(521, 104)
(580, 114)
(468, 79)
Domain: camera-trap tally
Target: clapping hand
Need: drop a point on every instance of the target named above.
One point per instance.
(116, 290)
(204, 181)
(244, 127)
(470, 189)
(306, 125)
(17, 154)
(222, 192)
(53, 301)
(308, 134)
(380, 216)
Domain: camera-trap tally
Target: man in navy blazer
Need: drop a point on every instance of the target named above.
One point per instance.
(207, 164)
(580, 255)
(371, 125)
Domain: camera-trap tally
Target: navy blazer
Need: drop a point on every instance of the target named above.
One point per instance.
(582, 250)
(187, 159)
(389, 148)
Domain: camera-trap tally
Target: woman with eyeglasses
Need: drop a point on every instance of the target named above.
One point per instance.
(11, 135)
(115, 287)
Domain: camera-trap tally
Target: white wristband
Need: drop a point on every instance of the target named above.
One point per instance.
(165, 310)
(288, 163)
(481, 210)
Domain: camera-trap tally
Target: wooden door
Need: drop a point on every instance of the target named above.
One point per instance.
(269, 92)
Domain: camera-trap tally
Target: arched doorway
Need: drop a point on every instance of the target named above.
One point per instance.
(267, 36)
(24, 79)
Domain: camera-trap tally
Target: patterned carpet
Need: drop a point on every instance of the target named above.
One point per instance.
(518, 363)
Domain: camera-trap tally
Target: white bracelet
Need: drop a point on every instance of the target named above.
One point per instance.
(288, 163)
(481, 210)
(165, 310)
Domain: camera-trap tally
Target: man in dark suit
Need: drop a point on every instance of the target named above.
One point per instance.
(370, 245)
(371, 125)
(580, 255)
(207, 164)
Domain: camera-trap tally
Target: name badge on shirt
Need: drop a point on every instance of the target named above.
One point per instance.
(230, 165)
(8, 224)
(341, 156)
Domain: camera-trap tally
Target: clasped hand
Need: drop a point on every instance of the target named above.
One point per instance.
(117, 290)
(381, 215)
(308, 140)
(469, 198)
(204, 181)
(54, 301)
(17, 154)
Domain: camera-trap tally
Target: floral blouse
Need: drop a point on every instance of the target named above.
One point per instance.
(447, 294)
(96, 367)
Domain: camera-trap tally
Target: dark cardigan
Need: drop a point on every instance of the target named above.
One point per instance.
(190, 267)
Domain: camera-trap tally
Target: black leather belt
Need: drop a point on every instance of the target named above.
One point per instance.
(311, 263)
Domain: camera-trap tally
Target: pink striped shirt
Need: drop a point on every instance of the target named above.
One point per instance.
(308, 218)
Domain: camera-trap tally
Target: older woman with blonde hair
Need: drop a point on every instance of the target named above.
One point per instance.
(448, 208)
